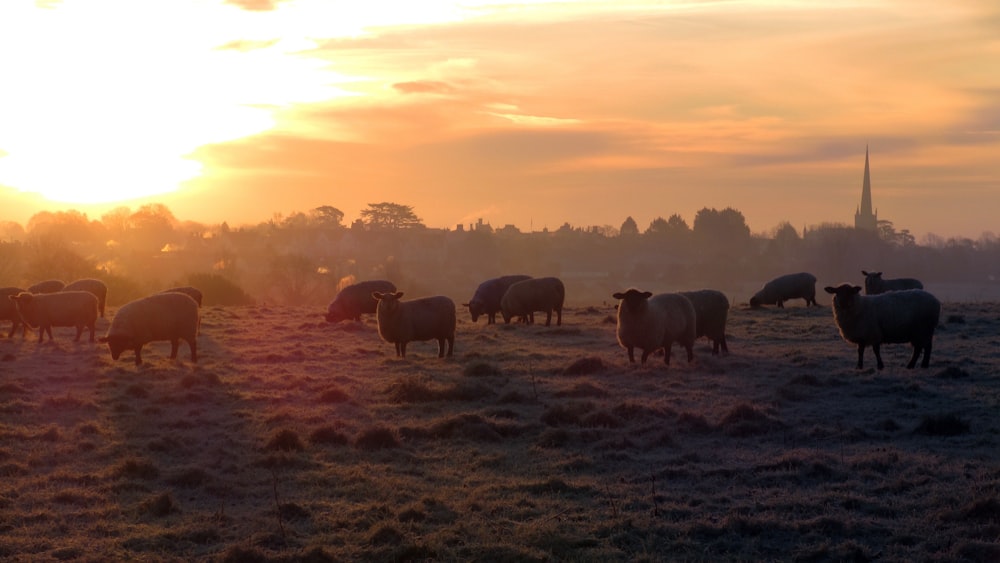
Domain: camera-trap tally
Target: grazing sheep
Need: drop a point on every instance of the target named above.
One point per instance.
(355, 300)
(47, 286)
(525, 297)
(161, 316)
(97, 287)
(909, 315)
(874, 284)
(192, 292)
(65, 308)
(427, 318)
(8, 310)
(783, 288)
(652, 322)
(711, 308)
(486, 299)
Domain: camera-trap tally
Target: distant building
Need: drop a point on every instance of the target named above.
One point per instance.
(864, 217)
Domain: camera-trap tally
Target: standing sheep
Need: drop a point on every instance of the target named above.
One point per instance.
(486, 299)
(95, 286)
(8, 310)
(783, 288)
(65, 308)
(536, 294)
(354, 300)
(874, 284)
(909, 315)
(711, 308)
(47, 286)
(428, 318)
(161, 316)
(651, 322)
(192, 292)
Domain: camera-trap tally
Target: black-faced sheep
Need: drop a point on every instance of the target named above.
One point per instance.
(486, 299)
(47, 286)
(65, 308)
(192, 292)
(354, 300)
(909, 315)
(790, 286)
(427, 318)
(651, 322)
(874, 284)
(8, 310)
(524, 298)
(161, 316)
(711, 308)
(95, 286)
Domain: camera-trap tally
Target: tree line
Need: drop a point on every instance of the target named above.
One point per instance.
(302, 258)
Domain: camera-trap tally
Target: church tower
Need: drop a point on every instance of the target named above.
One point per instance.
(864, 218)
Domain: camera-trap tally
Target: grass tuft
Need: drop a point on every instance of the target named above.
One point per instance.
(137, 469)
(585, 366)
(286, 441)
(334, 395)
(159, 506)
(942, 425)
(481, 369)
(377, 438)
(328, 435)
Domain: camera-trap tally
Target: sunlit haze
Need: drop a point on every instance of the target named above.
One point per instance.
(530, 113)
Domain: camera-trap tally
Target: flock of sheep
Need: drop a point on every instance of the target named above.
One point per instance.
(890, 311)
(171, 315)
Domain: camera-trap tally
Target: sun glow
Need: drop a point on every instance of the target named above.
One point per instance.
(104, 99)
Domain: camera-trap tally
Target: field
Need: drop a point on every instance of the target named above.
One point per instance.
(295, 440)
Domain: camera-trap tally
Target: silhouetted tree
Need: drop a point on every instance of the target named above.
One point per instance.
(387, 215)
(727, 228)
(629, 228)
(327, 217)
(117, 221)
(66, 226)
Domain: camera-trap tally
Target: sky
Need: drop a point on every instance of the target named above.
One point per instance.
(534, 113)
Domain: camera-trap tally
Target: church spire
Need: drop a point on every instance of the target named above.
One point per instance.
(864, 218)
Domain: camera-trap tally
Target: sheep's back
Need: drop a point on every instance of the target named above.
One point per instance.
(163, 316)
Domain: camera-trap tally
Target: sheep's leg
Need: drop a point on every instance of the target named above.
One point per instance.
(878, 356)
(913, 359)
(645, 354)
(79, 331)
(402, 349)
(138, 355)
(451, 344)
(193, 345)
(174, 344)
(559, 317)
(927, 355)
(440, 347)
(781, 304)
(690, 350)
(666, 352)
(398, 352)
(861, 356)
(631, 355)
(548, 317)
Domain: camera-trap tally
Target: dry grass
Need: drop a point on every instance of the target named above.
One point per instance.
(531, 444)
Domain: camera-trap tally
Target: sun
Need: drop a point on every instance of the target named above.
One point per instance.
(102, 102)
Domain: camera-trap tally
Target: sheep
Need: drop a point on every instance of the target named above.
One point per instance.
(427, 318)
(95, 286)
(8, 310)
(651, 322)
(47, 286)
(192, 292)
(354, 300)
(783, 288)
(486, 299)
(65, 308)
(711, 308)
(162, 316)
(874, 284)
(536, 294)
(908, 315)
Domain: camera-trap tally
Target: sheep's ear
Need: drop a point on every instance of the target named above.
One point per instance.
(829, 289)
(647, 294)
(864, 273)
(465, 304)
(103, 339)
(856, 289)
(377, 295)
(618, 295)
(398, 295)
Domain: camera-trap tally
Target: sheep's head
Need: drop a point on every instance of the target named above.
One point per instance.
(632, 299)
(476, 308)
(844, 295)
(387, 302)
(118, 343)
(871, 280)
